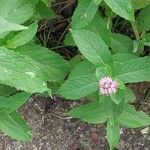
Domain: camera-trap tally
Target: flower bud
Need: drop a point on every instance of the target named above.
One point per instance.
(107, 86)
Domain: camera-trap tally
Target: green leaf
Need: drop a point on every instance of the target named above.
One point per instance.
(21, 121)
(92, 47)
(118, 96)
(17, 11)
(97, 112)
(138, 4)
(54, 66)
(121, 58)
(98, 26)
(23, 37)
(75, 61)
(81, 81)
(109, 13)
(81, 86)
(102, 72)
(12, 103)
(43, 11)
(132, 119)
(112, 109)
(143, 19)
(69, 40)
(121, 43)
(122, 7)
(113, 134)
(83, 14)
(94, 97)
(97, 2)
(146, 39)
(91, 113)
(14, 126)
(46, 2)
(136, 70)
(21, 72)
(83, 68)
(6, 91)
(129, 96)
(7, 26)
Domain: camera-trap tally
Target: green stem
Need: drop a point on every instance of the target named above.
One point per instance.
(108, 23)
(135, 30)
(138, 37)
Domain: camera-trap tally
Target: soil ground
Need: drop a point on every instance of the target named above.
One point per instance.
(54, 130)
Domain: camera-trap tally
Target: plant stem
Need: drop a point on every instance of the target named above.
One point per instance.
(135, 30)
(138, 37)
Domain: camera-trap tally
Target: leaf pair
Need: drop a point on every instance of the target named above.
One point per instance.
(98, 113)
(125, 67)
(11, 122)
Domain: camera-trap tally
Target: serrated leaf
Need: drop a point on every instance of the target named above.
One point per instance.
(75, 61)
(12, 103)
(69, 40)
(94, 97)
(113, 134)
(14, 126)
(143, 19)
(122, 7)
(21, 72)
(136, 70)
(109, 13)
(7, 26)
(21, 121)
(121, 43)
(54, 66)
(112, 108)
(97, 2)
(79, 87)
(17, 11)
(118, 96)
(83, 14)
(91, 113)
(43, 11)
(99, 27)
(83, 68)
(23, 37)
(132, 119)
(92, 47)
(97, 112)
(121, 58)
(102, 72)
(129, 95)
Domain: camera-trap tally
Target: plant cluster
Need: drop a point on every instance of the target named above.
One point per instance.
(106, 63)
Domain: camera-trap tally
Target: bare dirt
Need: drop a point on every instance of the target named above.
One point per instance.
(53, 130)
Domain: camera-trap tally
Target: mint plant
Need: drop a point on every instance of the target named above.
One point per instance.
(108, 61)
(103, 75)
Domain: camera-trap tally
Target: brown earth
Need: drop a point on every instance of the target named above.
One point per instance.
(53, 130)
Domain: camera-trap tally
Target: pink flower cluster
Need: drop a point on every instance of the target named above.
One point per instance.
(107, 86)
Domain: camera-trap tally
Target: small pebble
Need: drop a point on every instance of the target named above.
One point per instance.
(145, 130)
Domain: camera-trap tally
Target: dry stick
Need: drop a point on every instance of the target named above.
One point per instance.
(67, 5)
(62, 35)
(60, 3)
(77, 136)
